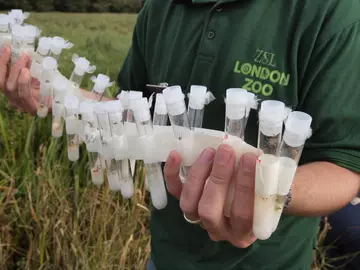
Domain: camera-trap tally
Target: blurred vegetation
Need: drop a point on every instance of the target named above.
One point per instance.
(129, 6)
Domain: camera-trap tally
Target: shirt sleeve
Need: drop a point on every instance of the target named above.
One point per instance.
(330, 93)
(133, 74)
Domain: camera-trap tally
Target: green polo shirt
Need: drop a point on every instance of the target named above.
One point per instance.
(305, 53)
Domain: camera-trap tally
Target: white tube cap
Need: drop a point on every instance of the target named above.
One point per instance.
(17, 31)
(124, 98)
(60, 83)
(100, 107)
(4, 19)
(101, 83)
(49, 63)
(44, 45)
(71, 104)
(237, 103)
(160, 105)
(199, 97)
(82, 65)
(141, 110)
(31, 32)
(114, 107)
(58, 44)
(272, 115)
(174, 99)
(297, 128)
(87, 110)
(134, 95)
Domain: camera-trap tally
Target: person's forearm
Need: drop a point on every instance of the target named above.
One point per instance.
(321, 188)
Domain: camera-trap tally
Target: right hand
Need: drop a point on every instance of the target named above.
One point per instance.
(15, 82)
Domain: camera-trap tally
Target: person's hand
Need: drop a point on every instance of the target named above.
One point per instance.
(15, 82)
(204, 194)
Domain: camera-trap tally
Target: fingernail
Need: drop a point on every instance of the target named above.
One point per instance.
(248, 163)
(224, 155)
(207, 155)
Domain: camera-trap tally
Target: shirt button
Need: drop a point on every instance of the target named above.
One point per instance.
(219, 9)
(211, 34)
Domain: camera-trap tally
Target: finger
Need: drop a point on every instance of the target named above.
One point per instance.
(5, 54)
(194, 186)
(171, 174)
(212, 202)
(24, 91)
(242, 210)
(12, 82)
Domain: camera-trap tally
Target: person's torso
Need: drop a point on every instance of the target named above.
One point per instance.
(261, 46)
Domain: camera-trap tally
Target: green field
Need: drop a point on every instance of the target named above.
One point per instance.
(51, 216)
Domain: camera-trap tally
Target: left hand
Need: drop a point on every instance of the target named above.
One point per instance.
(207, 201)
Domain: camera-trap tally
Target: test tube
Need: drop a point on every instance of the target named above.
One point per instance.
(91, 139)
(82, 66)
(31, 32)
(106, 151)
(16, 42)
(297, 131)
(5, 35)
(153, 169)
(271, 117)
(238, 105)
(71, 104)
(175, 103)
(49, 67)
(132, 96)
(101, 83)
(59, 93)
(42, 50)
(160, 113)
(58, 45)
(119, 146)
(198, 98)
(124, 98)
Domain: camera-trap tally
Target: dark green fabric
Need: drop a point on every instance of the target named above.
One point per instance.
(305, 53)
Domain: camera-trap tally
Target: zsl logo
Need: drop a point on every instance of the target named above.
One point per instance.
(262, 75)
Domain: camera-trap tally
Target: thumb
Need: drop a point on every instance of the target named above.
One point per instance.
(171, 174)
(5, 54)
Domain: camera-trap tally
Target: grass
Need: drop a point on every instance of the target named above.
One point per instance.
(51, 216)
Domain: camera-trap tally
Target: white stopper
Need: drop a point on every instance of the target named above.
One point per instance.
(71, 104)
(49, 63)
(101, 83)
(17, 16)
(297, 128)
(58, 44)
(60, 83)
(82, 65)
(174, 99)
(160, 105)
(17, 31)
(141, 110)
(199, 97)
(237, 102)
(4, 22)
(87, 111)
(31, 32)
(134, 95)
(115, 111)
(271, 116)
(124, 99)
(44, 45)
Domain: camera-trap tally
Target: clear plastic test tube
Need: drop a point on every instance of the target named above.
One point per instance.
(58, 45)
(271, 118)
(31, 33)
(175, 104)
(16, 42)
(132, 97)
(49, 67)
(119, 147)
(153, 169)
(101, 83)
(91, 139)
(82, 66)
(59, 93)
(5, 35)
(106, 151)
(71, 104)
(198, 98)
(297, 131)
(42, 50)
(160, 113)
(238, 105)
